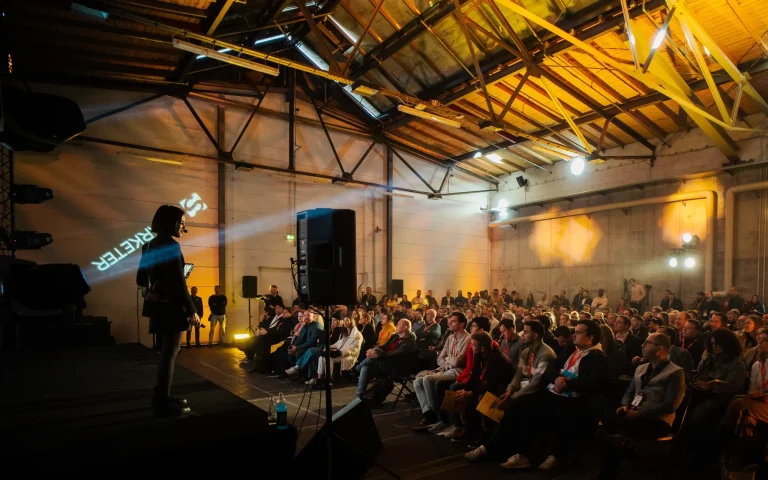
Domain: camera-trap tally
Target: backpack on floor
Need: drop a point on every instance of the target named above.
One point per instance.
(378, 391)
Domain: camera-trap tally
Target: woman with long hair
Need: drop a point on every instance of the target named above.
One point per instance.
(161, 271)
(754, 305)
(344, 352)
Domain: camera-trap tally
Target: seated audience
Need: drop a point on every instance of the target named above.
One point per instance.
(451, 362)
(383, 360)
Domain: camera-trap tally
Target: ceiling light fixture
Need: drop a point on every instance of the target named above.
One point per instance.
(240, 62)
(494, 157)
(428, 116)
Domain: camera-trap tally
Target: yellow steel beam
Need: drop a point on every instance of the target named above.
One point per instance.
(704, 68)
(665, 71)
(648, 79)
(686, 17)
(565, 114)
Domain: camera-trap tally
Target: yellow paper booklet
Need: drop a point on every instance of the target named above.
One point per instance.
(489, 406)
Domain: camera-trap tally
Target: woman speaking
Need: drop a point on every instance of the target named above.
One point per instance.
(167, 302)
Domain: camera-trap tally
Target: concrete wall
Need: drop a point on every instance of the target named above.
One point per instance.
(105, 196)
(602, 250)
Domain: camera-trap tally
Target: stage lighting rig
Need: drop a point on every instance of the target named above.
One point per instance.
(30, 194)
(28, 240)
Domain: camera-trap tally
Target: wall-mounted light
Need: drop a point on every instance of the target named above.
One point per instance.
(577, 165)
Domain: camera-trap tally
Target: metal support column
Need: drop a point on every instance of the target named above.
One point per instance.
(221, 204)
(390, 175)
(291, 74)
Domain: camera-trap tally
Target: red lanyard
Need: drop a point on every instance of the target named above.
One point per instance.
(530, 364)
(573, 359)
(762, 376)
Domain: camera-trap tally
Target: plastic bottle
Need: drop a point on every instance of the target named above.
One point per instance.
(282, 413)
(272, 414)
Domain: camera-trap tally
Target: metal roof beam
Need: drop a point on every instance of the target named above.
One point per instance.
(404, 36)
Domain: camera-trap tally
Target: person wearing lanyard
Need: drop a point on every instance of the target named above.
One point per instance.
(451, 362)
(536, 366)
(648, 407)
(755, 403)
(564, 405)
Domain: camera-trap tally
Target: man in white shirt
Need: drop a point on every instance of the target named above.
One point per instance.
(600, 303)
(451, 363)
(417, 300)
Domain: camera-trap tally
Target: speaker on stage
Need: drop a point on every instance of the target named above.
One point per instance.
(355, 445)
(250, 286)
(326, 251)
(396, 287)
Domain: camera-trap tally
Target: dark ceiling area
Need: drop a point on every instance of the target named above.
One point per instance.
(489, 87)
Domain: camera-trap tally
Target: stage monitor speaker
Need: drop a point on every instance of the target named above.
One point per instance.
(326, 252)
(397, 287)
(250, 286)
(38, 121)
(355, 444)
(50, 286)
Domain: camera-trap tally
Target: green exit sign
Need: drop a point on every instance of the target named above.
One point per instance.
(289, 237)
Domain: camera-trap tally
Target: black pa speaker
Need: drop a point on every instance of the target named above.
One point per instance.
(38, 121)
(250, 286)
(396, 287)
(354, 445)
(50, 286)
(326, 251)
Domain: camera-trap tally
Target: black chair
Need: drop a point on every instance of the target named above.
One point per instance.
(403, 374)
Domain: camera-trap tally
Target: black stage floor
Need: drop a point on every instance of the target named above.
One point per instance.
(80, 403)
(68, 409)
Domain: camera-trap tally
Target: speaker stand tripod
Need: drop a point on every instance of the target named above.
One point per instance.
(328, 431)
(250, 328)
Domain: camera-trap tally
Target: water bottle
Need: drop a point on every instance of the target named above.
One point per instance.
(271, 414)
(282, 413)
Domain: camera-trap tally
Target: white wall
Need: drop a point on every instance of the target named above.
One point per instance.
(105, 195)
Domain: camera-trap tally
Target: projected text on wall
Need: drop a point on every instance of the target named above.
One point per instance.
(192, 206)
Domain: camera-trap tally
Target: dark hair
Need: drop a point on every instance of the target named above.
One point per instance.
(508, 323)
(723, 320)
(727, 340)
(657, 321)
(593, 330)
(536, 328)
(589, 315)
(483, 339)
(563, 331)
(460, 317)
(669, 332)
(482, 322)
(624, 319)
(636, 316)
(695, 323)
(634, 311)
(545, 320)
(166, 220)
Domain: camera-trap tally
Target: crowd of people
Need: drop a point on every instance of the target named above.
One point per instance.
(563, 370)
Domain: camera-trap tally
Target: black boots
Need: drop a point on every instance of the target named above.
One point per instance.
(169, 406)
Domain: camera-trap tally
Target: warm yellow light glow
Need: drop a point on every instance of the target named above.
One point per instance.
(565, 242)
(687, 237)
(242, 336)
(672, 262)
(690, 262)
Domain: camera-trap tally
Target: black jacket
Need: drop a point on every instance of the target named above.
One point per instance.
(198, 305)
(695, 348)
(492, 375)
(594, 369)
(162, 266)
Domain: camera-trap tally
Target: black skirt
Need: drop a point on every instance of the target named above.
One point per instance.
(163, 326)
